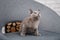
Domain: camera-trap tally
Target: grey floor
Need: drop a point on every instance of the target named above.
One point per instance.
(11, 10)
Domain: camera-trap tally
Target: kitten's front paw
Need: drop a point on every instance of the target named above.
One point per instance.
(37, 34)
(22, 34)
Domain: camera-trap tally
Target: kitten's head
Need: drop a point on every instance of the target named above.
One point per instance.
(35, 13)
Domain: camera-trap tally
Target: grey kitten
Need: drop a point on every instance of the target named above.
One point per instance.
(30, 24)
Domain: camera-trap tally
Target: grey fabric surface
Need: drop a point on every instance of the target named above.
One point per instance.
(11, 10)
(19, 9)
(2, 37)
(45, 35)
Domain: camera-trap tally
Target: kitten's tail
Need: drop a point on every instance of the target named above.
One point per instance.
(3, 30)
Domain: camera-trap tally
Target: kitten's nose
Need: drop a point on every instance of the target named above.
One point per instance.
(38, 15)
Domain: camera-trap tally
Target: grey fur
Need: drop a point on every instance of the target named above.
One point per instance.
(30, 24)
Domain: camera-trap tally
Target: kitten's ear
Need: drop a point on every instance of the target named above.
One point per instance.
(38, 9)
(31, 11)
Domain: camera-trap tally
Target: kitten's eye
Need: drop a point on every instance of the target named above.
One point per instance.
(35, 12)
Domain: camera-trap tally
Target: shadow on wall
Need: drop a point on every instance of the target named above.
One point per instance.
(19, 9)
